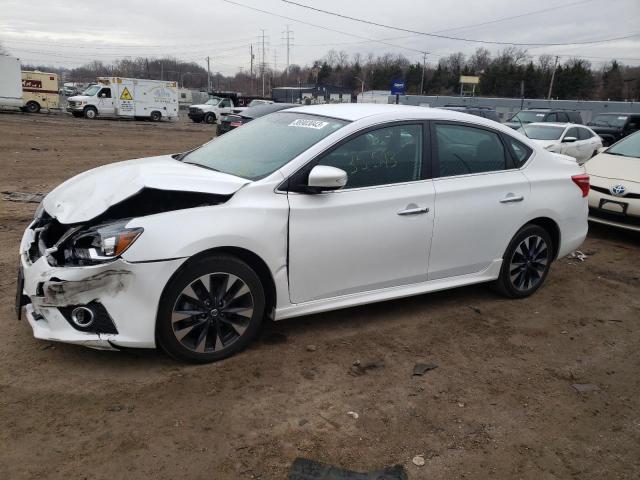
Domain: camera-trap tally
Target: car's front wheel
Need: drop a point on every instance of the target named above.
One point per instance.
(210, 310)
(526, 262)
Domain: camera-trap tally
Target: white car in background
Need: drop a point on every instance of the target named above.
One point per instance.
(576, 141)
(614, 198)
(301, 211)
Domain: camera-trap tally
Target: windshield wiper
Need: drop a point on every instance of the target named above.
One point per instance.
(203, 166)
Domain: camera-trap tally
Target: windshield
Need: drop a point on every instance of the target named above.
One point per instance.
(528, 117)
(91, 91)
(540, 132)
(264, 145)
(629, 147)
(609, 120)
(213, 101)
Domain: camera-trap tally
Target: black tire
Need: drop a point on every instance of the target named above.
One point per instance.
(90, 113)
(209, 118)
(156, 116)
(32, 107)
(77, 114)
(521, 275)
(218, 329)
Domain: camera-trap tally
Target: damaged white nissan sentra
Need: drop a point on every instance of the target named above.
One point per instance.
(301, 211)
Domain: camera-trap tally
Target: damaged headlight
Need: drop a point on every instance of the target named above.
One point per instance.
(100, 243)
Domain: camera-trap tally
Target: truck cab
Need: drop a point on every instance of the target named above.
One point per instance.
(212, 110)
(95, 99)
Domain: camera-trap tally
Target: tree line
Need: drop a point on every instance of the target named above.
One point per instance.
(511, 72)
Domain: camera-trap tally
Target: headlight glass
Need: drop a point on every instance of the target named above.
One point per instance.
(100, 243)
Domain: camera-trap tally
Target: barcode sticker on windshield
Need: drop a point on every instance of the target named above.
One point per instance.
(539, 114)
(622, 118)
(317, 124)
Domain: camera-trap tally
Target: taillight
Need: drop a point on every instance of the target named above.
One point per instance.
(582, 181)
(236, 124)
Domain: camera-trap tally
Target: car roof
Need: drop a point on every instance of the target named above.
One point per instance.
(358, 111)
(617, 113)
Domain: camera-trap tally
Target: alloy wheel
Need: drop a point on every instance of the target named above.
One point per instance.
(212, 312)
(529, 263)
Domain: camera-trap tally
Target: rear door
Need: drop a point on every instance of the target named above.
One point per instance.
(375, 232)
(481, 198)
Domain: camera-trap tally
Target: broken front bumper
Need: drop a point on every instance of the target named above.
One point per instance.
(125, 296)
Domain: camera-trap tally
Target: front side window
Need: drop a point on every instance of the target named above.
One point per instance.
(552, 117)
(572, 132)
(380, 157)
(105, 93)
(584, 134)
(264, 145)
(463, 150)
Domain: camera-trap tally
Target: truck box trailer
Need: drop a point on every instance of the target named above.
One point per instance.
(127, 98)
(10, 83)
(39, 90)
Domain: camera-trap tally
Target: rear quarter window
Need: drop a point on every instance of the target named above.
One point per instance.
(518, 150)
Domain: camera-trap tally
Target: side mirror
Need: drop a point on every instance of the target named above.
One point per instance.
(569, 139)
(602, 149)
(323, 177)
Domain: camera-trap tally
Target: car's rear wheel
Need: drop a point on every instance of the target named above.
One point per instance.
(210, 310)
(156, 116)
(526, 262)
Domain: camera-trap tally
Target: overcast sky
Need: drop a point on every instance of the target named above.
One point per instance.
(70, 33)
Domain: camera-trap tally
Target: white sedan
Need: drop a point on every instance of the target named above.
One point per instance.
(577, 141)
(301, 211)
(614, 198)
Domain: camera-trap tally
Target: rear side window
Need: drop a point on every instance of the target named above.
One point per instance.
(552, 117)
(462, 150)
(519, 151)
(562, 117)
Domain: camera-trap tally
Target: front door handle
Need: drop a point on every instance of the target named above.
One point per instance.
(414, 211)
(511, 198)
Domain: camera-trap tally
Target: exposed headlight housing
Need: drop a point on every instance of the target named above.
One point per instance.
(100, 243)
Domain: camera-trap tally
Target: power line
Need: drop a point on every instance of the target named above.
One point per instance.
(447, 37)
(320, 26)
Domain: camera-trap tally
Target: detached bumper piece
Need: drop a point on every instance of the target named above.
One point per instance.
(90, 318)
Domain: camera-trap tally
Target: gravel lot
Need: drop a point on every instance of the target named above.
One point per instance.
(499, 405)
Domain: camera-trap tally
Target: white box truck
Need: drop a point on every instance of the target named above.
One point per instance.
(10, 83)
(127, 98)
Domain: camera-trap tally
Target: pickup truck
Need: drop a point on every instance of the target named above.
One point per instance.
(611, 127)
(211, 111)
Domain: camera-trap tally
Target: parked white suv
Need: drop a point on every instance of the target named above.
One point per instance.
(301, 211)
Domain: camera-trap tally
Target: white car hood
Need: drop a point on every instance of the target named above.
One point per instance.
(85, 196)
(203, 106)
(614, 167)
(79, 98)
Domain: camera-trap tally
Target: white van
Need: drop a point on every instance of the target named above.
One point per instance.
(10, 82)
(127, 98)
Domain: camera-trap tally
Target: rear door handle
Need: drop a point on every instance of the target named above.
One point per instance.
(414, 211)
(511, 198)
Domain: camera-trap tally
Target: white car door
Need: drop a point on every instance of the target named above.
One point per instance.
(481, 197)
(589, 143)
(106, 105)
(376, 231)
(571, 148)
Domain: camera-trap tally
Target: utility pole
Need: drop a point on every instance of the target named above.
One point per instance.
(208, 77)
(251, 75)
(288, 37)
(553, 76)
(262, 66)
(424, 64)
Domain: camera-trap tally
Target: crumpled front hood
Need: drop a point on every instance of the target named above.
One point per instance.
(91, 193)
(545, 143)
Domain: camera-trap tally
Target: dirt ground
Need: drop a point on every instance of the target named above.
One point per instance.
(499, 405)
